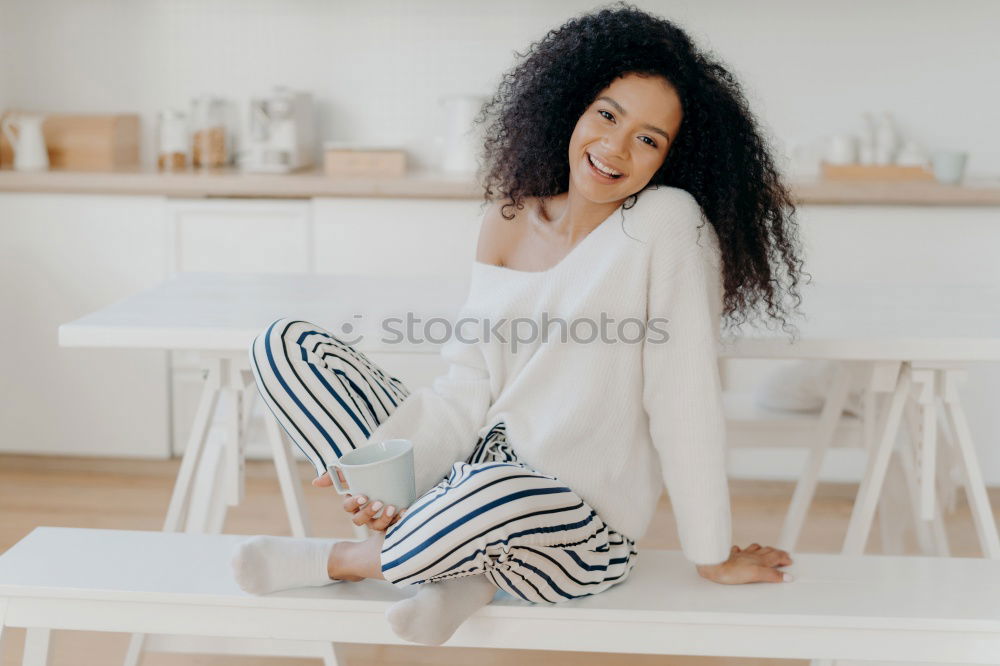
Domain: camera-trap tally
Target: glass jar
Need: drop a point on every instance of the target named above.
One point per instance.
(210, 139)
(172, 140)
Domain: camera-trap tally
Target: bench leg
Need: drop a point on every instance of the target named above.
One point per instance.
(805, 488)
(37, 641)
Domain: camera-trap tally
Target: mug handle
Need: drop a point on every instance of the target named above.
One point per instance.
(335, 478)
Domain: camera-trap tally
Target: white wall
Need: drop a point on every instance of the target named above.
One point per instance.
(377, 68)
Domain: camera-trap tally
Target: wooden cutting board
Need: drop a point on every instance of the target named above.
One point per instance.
(91, 142)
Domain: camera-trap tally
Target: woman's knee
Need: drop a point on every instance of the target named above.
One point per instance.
(278, 334)
(510, 490)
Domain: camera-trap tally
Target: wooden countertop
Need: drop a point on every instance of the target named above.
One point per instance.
(438, 185)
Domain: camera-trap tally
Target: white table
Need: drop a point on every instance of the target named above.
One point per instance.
(911, 343)
(217, 315)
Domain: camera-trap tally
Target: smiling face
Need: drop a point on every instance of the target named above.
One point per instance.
(627, 130)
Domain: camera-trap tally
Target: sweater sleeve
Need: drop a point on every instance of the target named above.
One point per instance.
(442, 420)
(682, 392)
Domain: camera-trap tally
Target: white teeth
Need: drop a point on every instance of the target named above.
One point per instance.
(606, 169)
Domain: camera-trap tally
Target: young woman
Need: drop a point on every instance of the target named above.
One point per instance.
(625, 180)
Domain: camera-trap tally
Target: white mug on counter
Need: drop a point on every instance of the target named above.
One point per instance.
(28, 142)
(949, 166)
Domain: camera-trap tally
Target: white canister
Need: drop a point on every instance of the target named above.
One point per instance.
(462, 139)
(173, 140)
(842, 149)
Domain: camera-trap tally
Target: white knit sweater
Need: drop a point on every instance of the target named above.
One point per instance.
(616, 419)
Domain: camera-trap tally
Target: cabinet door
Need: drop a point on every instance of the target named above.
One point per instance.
(62, 257)
(253, 236)
(229, 235)
(397, 237)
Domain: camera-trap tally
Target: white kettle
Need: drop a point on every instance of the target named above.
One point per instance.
(28, 143)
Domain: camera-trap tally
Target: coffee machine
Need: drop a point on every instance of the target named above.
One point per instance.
(281, 133)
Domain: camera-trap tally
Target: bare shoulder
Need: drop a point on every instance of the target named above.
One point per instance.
(497, 234)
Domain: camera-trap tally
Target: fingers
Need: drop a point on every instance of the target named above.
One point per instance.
(768, 555)
(388, 517)
(322, 481)
(366, 515)
(352, 503)
(770, 575)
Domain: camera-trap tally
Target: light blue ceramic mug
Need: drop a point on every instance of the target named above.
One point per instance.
(379, 471)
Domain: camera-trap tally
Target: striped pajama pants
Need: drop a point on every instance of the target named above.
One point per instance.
(532, 536)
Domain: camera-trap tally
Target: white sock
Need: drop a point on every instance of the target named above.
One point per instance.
(263, 564)
(438, 608)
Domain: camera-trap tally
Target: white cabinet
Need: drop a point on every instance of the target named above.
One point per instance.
(258, 235)
(395, 236)
(229, 235)
(61, 257)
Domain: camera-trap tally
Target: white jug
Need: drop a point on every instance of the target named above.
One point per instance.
(462, 141)
(29, 142)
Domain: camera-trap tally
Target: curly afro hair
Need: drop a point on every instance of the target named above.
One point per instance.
(719, 155)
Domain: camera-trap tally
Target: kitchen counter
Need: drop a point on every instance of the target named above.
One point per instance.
(232, 183)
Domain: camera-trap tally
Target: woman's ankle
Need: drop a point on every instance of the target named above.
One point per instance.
(339, 563)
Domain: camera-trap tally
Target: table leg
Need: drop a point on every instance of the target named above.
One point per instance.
(134, 652)
(884, 375)
(232, 388)
(215, 516)
(3, 619)
(893, 502)
(37, 644)
(805, 488)
(925, 395)
(192, 454)
(975, 488)
(931, 535)
(291, 488)
(250, 397)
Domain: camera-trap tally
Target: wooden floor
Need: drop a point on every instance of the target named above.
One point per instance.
(133, 494)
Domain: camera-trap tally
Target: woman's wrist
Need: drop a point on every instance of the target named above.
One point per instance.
(708, 570)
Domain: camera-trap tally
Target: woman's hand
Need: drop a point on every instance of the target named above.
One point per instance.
(364, 512)
(755, 564)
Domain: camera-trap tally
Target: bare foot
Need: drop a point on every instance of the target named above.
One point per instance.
(356, 560)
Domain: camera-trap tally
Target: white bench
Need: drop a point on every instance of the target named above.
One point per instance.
(872, 607)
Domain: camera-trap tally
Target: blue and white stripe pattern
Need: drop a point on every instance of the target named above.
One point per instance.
(528, 532)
